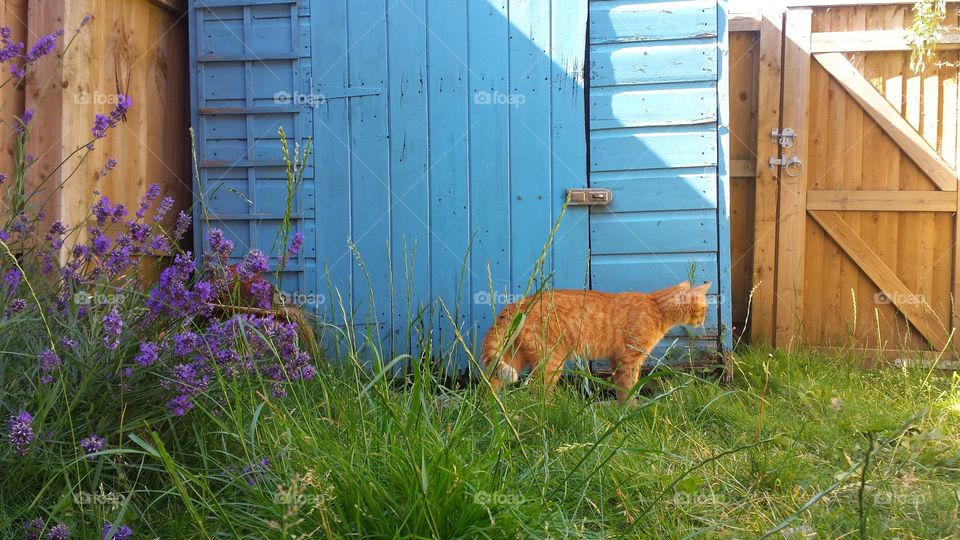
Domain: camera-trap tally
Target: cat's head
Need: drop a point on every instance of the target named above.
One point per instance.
(693, 302)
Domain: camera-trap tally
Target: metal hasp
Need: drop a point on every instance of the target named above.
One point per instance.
(589, 196)
(783, 138)
(792, 165)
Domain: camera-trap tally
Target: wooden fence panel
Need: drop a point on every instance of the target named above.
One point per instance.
(135, 47)
(879, 263)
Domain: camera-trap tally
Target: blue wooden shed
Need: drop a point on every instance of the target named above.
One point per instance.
(447, 134)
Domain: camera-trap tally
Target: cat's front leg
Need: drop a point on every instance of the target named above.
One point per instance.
(626, 374)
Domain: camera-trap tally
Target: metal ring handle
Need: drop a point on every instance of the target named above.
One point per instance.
(794, 167)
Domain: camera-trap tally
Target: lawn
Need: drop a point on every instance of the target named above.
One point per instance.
(347, 455)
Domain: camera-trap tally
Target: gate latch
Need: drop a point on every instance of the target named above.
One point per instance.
(792, 165)
(783, 138)
(589, 196)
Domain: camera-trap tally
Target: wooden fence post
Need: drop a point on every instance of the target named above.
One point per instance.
(793, 189)
(766, 187)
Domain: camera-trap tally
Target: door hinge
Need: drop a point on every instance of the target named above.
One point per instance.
(589, 196)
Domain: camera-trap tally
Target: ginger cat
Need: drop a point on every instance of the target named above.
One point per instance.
(544, 330)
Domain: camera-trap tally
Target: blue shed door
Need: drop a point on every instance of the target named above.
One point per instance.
(658, 130)
(246, 56)
(446, 134)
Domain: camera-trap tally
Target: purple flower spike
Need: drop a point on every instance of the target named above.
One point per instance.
(16, 306)
(103, 123)
(147, 201)
(20, 431)
(59, 532)
(11, 280)
(163, 208)
(8, 48)
(113, 324)
(32, 529)
(118, 532)
(179, 405)
(92, 444)
(110, 165)
(183, 223)
(148, 354)
(43, 47)
(295, 244)
(49, 362)
(24, 121)
(254, 264)
(219, 245)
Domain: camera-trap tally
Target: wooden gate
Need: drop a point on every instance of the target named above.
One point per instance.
(856, 220)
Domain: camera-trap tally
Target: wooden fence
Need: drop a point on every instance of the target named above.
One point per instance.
(857, 248)
(137, 47)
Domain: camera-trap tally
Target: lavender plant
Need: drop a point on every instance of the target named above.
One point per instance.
(94, 347)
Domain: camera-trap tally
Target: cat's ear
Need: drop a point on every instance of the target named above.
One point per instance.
(702, 289)
(684, 285)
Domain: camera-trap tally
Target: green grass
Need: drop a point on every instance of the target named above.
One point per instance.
(353, 458)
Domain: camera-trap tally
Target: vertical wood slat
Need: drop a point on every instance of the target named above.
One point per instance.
(449, 155)
(725, 341)
(790, 251)
(744, 60)
(331, 135)
(568, 164)
(13, 14)
(954, 124)
(766, 189)
(46, 135)
(489, 75)
(369, 160)
(408, 122)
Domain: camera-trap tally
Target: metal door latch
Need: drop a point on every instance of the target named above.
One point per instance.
(589, 196)
(792, 166)
(783, 138)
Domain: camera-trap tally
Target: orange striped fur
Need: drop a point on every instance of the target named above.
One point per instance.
(542, 331)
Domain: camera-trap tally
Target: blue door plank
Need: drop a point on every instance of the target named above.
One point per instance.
(332, 153)
(653, 105)
(530, 164)
(631, 21)
(366, 29)
(650, 272)
(658, 189)
(410, 203)
(568, 126)
(723, 172)
(653, 148)
(654, 232)
(448, 134)
(659, 62)
(490, 199)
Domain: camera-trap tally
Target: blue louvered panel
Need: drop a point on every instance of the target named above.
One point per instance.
(658, 141)
(247, 57)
